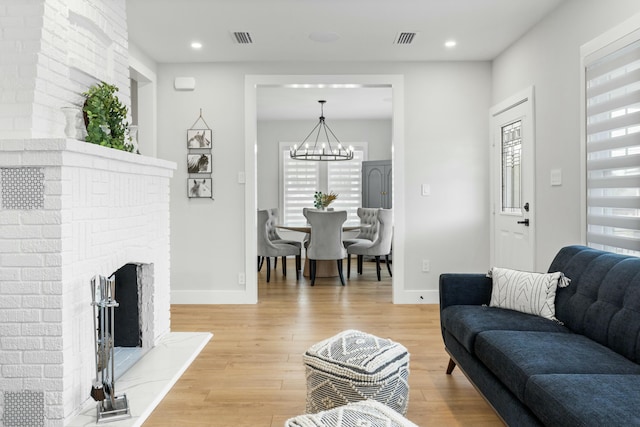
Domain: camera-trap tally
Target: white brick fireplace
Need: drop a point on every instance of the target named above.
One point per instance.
(70, 210)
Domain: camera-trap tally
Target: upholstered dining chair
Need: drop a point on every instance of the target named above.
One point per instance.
(325, 242)
(268, 249)
(379, 247)
(275, 238)
(368, 218)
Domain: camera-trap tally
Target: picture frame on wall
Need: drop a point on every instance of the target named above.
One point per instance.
(199, 163)
(199, 138)
(199, 188)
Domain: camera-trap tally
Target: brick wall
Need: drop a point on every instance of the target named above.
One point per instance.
(74, 211)
(50, 52)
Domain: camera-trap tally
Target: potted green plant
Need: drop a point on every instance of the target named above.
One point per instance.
(105, 118)
(322, 200)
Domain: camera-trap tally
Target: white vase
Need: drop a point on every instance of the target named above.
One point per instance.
(133, 134)
(72, 117)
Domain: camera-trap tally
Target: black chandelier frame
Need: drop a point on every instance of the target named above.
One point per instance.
(321, 151)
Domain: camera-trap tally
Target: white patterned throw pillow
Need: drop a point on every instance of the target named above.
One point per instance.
(532, 293)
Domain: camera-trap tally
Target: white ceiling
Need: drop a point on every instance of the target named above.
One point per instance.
(366, 30)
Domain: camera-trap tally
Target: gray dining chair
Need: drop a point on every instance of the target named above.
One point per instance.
(325, 242)
(268, 249)
(369, 219)
(379, 247)
(272, 232)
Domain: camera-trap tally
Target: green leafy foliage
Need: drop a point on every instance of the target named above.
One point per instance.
(322, 200)
(106, 116)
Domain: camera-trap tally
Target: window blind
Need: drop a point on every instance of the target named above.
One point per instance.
(301, 179)
(345, 179)
(613, 150)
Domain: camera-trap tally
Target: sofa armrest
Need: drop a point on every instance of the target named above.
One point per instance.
(464, 289)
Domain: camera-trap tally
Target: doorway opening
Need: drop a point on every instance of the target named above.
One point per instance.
(255, 83)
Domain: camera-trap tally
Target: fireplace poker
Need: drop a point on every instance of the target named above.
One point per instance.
(112, 303)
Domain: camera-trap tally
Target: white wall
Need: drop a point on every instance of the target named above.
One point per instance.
(548, 57)
(446, 133)
(377, 133)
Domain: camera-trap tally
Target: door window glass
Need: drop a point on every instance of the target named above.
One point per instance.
(511, 167)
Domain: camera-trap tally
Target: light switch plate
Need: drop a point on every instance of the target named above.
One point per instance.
(426, 190)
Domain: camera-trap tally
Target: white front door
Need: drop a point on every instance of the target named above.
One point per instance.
(512, 186)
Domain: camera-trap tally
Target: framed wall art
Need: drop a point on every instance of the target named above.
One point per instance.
(199, 160)
(199, 163)
(199, 188)
(199, 138)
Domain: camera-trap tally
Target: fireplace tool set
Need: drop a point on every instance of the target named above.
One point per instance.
(110, 407)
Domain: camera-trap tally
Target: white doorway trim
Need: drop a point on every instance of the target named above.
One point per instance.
(252, 83)
(147, 94)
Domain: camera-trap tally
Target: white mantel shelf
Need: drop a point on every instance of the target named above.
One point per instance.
(73, 152)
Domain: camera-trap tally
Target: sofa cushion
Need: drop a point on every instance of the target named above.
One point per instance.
(532, 293)
(515, 356)
(585, 400)
(603, 301)
(465, 322)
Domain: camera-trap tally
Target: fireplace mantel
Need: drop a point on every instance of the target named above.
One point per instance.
(65, 151)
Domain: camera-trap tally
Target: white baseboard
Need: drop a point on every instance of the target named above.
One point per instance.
(243, 297)
(211, 297)
(416, 297)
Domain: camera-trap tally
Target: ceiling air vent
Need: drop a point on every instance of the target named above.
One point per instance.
(242, 37)
(405, 38)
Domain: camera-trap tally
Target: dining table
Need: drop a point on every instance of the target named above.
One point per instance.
(324, 268)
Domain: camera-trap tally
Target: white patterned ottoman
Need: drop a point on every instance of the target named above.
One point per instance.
(353, 366)
(367, 413)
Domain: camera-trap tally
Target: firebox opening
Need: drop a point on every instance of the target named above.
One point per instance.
(132, 335)
(127, 314)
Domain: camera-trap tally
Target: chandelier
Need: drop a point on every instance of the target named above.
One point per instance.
(321, 151)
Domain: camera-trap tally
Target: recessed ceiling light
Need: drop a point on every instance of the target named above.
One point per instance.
(450, 43)
(196, 45)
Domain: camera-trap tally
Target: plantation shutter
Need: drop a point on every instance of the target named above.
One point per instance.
(301, 179)
(613, 150)
(345, 179)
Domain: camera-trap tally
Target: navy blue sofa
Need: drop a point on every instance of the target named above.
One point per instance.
(533, 371)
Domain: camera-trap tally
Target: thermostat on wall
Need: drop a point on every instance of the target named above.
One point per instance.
(184, 83)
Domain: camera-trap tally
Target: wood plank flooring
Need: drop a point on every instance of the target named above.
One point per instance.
(251, 372)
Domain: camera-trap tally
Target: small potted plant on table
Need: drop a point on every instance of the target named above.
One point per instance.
(323, 200)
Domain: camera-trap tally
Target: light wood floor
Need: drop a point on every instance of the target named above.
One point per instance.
(251, 372)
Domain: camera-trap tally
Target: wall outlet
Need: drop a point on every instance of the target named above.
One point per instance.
(241, 279)
(426, 265)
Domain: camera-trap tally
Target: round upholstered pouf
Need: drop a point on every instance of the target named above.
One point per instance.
(366, 413)
(353, 366)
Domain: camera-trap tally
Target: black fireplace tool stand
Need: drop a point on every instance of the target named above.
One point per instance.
(110, 406)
